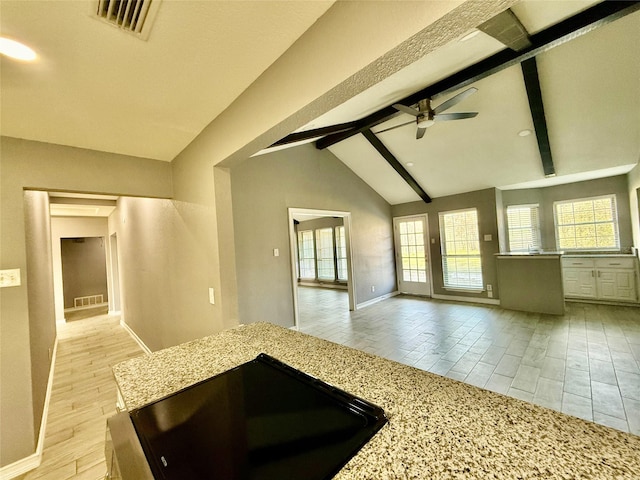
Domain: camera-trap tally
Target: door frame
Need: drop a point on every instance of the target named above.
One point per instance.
(293, 248)
(428, 243)
(115, 302)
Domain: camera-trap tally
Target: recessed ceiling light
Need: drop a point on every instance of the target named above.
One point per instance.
(469, 35)
(409, 164)
(525, 133)
(17, 50)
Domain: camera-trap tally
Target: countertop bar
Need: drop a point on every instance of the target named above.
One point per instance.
(438, 427)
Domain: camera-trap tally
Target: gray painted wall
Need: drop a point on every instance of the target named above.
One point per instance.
(163, 282)
(263, 188)
(485, 202)
(39, 277)
(35, 165)
(545, 197)
(84, 268)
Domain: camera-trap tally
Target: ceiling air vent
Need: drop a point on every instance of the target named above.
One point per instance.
(131, 16)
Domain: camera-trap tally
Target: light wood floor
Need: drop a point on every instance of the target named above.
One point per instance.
(83, 396)
(585, 363)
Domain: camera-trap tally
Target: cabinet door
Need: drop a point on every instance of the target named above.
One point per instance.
(579, 282)
(617, 285)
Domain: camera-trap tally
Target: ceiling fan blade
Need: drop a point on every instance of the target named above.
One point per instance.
(420, 133)
(405, 109)
(454, 116)
(412, 122)
(454, 100)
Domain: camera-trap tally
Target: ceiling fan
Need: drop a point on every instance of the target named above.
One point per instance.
(427, 116)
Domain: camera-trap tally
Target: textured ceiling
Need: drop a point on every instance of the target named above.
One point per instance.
(98, 88)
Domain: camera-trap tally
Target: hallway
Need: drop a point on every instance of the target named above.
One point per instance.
(83, 396)
(585, 363)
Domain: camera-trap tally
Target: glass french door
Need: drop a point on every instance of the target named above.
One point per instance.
(412, 260)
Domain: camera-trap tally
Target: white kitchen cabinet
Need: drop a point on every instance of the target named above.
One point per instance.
(601, 278)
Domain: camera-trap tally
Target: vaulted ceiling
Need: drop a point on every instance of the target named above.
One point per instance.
(589, 86)
(98, 88)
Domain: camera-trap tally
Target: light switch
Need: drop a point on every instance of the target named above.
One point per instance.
(276, 252)
(488, 237)
(212, 297)
(10, 278)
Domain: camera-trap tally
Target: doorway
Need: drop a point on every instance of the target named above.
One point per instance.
(344, 258)
(114, 299)
(412, 255)
(84, 277)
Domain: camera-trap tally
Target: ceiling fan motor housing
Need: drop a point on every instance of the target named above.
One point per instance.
(425, 120)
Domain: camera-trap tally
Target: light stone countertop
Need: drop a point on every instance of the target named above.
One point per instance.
(438, 427)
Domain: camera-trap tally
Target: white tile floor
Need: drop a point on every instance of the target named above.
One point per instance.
(585, 363)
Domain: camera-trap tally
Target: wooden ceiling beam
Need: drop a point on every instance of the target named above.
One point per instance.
(397, 166)
(534, 94)
(564, 31)
(313, 133)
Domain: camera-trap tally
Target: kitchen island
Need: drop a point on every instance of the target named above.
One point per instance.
(438, 427)
(531, 282)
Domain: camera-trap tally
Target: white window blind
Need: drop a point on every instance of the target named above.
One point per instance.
(324, 250)
(523, 225)
(460, 239)
(306, 257)
(341, 253)
(587, 224)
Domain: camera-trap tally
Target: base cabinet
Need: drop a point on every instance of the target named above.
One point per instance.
(579, 282)
(610, 279)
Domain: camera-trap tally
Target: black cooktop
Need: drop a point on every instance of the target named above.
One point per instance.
(261, 420)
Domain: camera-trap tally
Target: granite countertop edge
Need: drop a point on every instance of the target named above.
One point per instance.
(438, 427)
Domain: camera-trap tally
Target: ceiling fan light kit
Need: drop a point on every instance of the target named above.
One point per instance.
(427, 116)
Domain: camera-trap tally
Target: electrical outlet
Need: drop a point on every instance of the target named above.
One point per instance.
(373, 288)
(10, 278)
(276, 252)
(489, 287)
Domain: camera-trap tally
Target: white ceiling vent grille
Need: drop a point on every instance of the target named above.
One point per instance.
(131, 16)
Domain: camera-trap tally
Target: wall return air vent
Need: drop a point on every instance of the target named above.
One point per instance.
(131, 16)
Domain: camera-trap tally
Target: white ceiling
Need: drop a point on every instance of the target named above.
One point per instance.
(96, 87)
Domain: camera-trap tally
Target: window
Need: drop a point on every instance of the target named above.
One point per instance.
(587, 224)
(305, 254)
(461, 261)
(341, 253)
(324, 249)
(524, 228)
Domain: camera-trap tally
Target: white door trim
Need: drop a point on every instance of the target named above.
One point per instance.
(346, 216)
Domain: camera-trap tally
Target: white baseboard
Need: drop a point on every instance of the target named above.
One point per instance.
(458, 298)
(135, 337)
(27, 464)
(377, 299)
(20, 467)
(114, 313)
